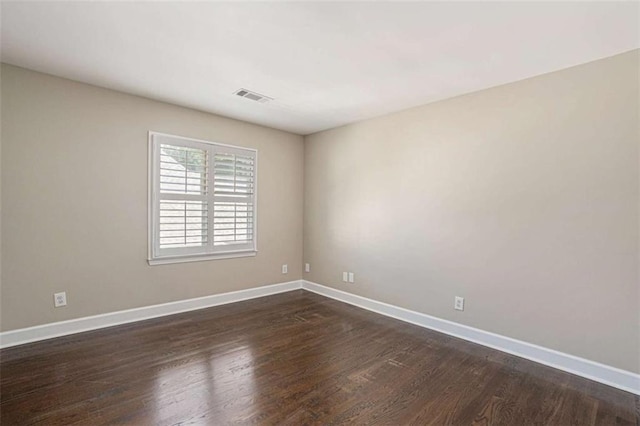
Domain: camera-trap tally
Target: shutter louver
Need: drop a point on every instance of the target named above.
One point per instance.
(183, 224)
(233, 175)
(233, 211)
(183, 170)
(183, 216)
(232, 223)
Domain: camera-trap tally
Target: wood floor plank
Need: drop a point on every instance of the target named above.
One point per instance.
(294, 358)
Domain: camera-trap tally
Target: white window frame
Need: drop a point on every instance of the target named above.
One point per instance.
(157, 256)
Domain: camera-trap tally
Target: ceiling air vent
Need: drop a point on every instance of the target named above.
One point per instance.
(253, 96)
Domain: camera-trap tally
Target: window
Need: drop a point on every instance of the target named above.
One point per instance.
(202, 200)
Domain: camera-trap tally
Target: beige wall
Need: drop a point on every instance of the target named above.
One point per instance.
(522, 198)
(74, 192)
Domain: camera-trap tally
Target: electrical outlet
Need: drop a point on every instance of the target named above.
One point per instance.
(345, 277)
(285, 269)
(307, 267)
(60, 299)
(352, 277)
(458, 303)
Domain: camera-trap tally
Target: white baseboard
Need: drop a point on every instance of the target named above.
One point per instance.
(602, 373)
(63, 328)
(608, 375)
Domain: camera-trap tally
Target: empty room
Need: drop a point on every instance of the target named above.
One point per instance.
(314, 213)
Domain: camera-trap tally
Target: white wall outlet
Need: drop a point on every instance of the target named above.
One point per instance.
(352, 277)
(307, 267)
(458, 303)
(60, 299)
(285, 269)
(345, 277)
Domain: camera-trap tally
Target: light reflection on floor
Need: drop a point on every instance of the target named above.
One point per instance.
(188, 386)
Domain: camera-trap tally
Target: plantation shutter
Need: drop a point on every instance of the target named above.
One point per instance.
(233, 198)
(203, 198)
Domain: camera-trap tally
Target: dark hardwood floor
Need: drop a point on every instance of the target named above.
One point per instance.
(295, 358)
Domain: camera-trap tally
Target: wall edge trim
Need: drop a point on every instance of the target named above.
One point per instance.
(78, 325)
(602, 373)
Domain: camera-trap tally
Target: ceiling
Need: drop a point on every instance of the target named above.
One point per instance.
(325, 64)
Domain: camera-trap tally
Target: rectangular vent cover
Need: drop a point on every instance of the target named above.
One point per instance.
(253, 96)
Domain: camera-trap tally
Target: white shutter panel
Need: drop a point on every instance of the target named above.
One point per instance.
(182, 205)
(233, 199)
(182, 224)
(183, 170)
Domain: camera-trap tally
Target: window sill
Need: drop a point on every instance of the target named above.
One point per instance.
(198, 258)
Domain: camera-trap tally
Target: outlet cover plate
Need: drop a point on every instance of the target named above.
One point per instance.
(60, 299)
(458, 303)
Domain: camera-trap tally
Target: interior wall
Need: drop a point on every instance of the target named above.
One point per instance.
(74, 197)
(523, 199)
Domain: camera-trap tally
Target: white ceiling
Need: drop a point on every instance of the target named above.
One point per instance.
(326, 64)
